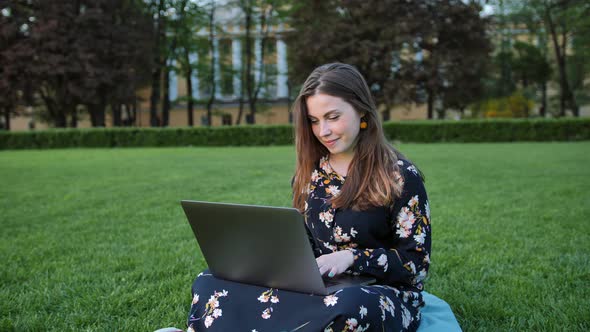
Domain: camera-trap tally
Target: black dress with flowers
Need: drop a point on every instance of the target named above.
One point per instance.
(391, 243)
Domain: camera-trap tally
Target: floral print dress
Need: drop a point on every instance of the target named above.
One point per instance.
(390, 243)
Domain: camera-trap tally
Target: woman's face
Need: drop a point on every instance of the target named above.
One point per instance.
(334, 122)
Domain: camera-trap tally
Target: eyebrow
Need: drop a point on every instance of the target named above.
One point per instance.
(326, 114)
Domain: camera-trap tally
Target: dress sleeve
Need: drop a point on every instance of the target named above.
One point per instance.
(316, 252)
(310, 237)
(408, 260)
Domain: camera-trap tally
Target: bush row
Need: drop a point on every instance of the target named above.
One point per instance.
(408, 131)
(497, 130)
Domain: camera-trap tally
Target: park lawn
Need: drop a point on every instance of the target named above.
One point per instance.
(95, 239)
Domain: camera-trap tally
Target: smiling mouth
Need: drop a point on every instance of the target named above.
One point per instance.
(330, 142)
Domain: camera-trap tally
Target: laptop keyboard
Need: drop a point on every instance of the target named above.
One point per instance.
(328, 282)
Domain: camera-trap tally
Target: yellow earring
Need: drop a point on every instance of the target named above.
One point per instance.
(364, 124)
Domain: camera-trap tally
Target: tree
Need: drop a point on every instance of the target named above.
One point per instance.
(559, 22)
(158, 9)
(56, 69)
(558, 16)
(113, 38)
(532, 67)
(185, 26)
(212, 57)
(247, 7)
(83, 53)
(456, 54)
(258, 17)
(375, 34)
(15, 55)
(384, 40)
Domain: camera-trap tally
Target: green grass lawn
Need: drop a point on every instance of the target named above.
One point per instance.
(96, 240)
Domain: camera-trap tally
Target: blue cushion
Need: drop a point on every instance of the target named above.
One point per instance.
(437, 316)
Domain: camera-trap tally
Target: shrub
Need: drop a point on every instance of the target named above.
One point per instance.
(493, 130)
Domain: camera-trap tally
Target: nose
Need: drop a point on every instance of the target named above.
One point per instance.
(325, 129)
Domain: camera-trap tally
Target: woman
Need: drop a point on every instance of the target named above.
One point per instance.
(366, 212)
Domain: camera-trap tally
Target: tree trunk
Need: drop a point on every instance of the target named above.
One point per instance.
(263, 39)
(264, 18)
(212, 69)
(166, 97)
(97, 114)
(101, 114)
(155, 97)
(74, 118)
(240, 110)
(129, 115)
(249, 76)
(243, 78)
(91, 111)
(430, 104)
(386, 114)
(543, 110)
(6, 119)
(60, 120)
(134, 112)
(116, 109)
(565, 91)
(441, 113)
(189, 88)
(157, 70)
(289, 101)
(241, 100)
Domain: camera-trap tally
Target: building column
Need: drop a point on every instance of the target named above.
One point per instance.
(173, 83)
(236, 48)
(216, 67)
(194, 60)
(419, 56)
(282, 69)
(257, 66)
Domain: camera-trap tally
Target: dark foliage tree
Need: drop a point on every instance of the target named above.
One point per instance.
(532, 68)
(382, 38)
(175, 38)
(557, 16)
(114, 41)
(56, 69)
(189, 20)
(456, 52)
(258, 16)
(158, 9)
(212, 58)
(82, 53)
(368, 35)
(15, 56)
(563, 23)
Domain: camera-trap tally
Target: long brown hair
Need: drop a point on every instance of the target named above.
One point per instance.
(373, 173)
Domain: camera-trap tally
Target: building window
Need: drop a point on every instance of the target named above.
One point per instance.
(270, 68)
(226, 119)
(204, 68)
(225, 67)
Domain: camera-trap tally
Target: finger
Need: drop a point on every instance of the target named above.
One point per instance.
(333, 272)
(320, 260)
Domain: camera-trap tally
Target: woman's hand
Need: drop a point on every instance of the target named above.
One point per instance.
(335, 263)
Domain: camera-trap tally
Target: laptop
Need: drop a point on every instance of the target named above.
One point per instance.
(261, 245)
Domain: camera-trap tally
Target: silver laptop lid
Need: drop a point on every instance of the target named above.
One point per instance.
(259, 245)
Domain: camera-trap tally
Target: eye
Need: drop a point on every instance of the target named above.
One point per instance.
(334, 117)
(312, 121)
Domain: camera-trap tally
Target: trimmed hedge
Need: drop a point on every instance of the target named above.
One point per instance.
(569, 129)
(497, 130)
